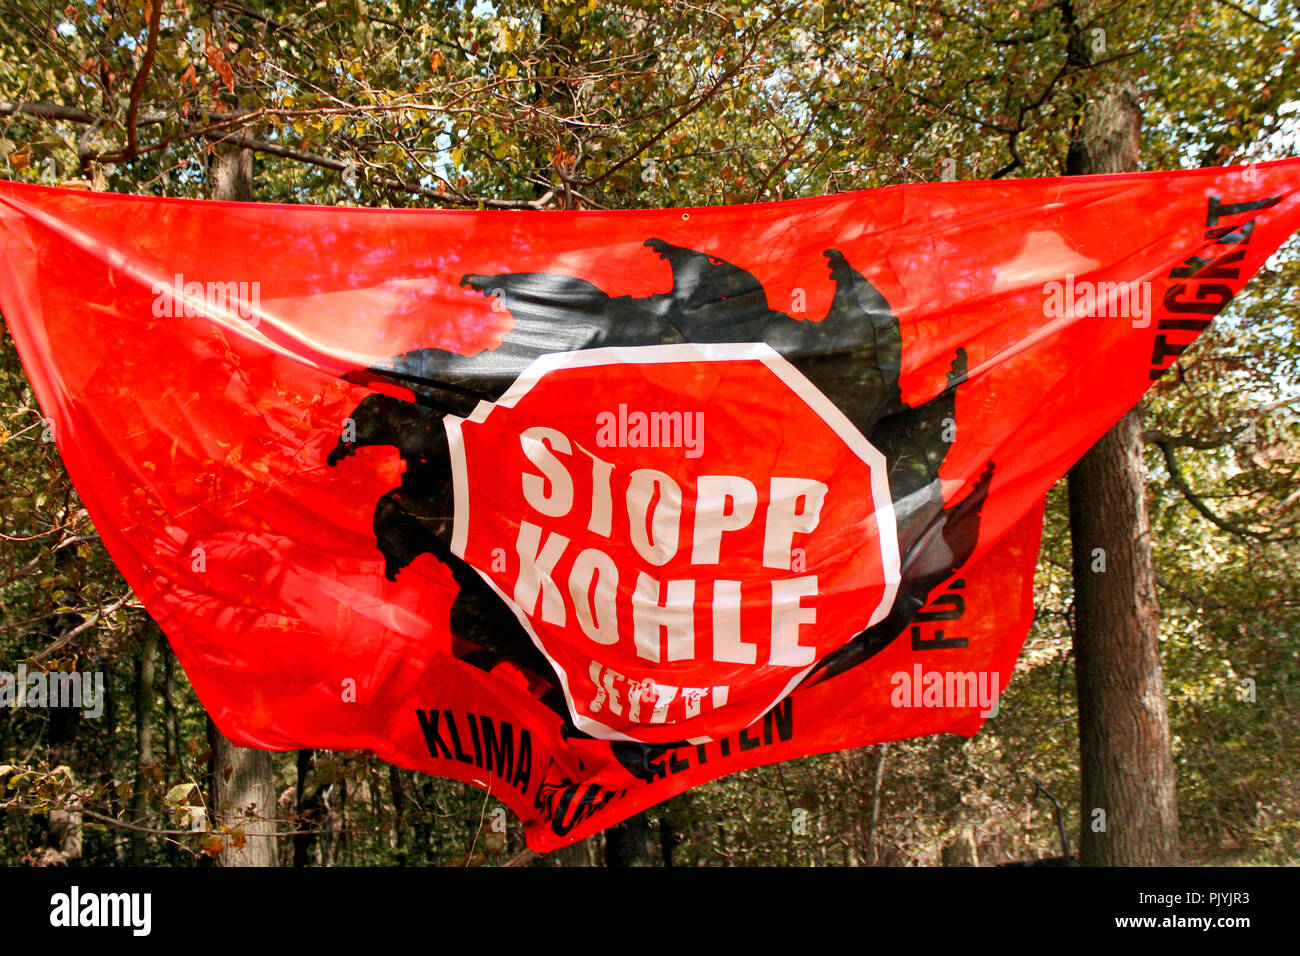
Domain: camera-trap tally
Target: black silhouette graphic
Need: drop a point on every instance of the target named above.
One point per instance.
(853, 355)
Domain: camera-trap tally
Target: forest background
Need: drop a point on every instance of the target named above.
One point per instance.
(630, 105)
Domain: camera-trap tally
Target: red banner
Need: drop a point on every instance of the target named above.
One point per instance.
(587, 508)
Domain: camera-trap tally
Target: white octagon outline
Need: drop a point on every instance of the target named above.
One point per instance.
(686, 352)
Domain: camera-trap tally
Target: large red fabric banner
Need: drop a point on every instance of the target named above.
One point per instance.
(587, 508)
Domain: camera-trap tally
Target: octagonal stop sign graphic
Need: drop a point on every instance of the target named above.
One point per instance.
(683, 530)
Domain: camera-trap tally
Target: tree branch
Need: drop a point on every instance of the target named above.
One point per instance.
(1152, 437)
(1179, 482)
(217, 135)
(138, 85)
(79, 630)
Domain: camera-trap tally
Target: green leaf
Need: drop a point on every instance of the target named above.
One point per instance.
(179, 793)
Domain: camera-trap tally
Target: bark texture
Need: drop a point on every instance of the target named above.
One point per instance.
(1125, 749)
(243, 788)
(144, 756)
(1129, 794)
(628, 843)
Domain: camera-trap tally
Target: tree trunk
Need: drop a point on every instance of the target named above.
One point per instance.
(171, 727)
(108, 778)
(244, 801)
(422, 825)
(1129, 796)
(171, 736)
(873, 833)
(342, 842)
(243, 788)
(575, 854)
(64, 836)
(308, 811)
(628, 843)
(676, 829)
(398, 792)
(144, 739)
(1129, 788)
(231, 174)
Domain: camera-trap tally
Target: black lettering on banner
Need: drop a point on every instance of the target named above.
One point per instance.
(1218, 295)
(778, 726)
(523, 775)
(473, 732)
(496, 747)
(783, 718)
(1208, 268)
(1220, 210)
(936, 642)
(1189, 325)
(455, 740)
(948, 606)
(541, 797)
(588, 806)
(1231, 235)
(656, 767)
(509, 757)
(1162, 350)
(1203, 297)
(432, 738)
(554, 800)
